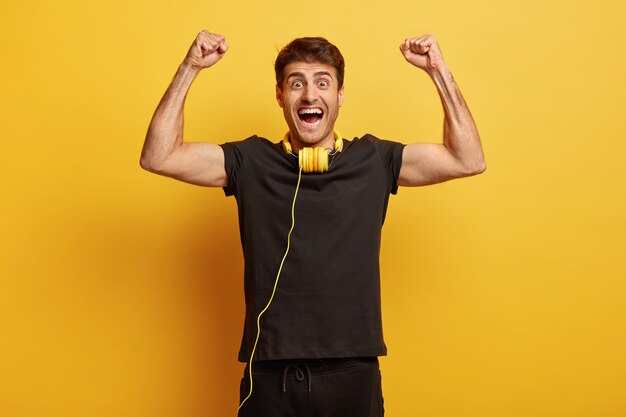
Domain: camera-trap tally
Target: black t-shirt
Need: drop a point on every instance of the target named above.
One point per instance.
(327, 303)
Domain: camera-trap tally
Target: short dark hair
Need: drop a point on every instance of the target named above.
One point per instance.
(310, 50)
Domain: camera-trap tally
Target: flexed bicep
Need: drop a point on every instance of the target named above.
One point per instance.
(429, 163)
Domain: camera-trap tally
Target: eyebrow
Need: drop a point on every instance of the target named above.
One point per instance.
(317, 74)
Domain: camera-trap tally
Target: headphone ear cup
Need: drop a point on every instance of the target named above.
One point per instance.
(309, 160)
(323, 160)
(313, 159)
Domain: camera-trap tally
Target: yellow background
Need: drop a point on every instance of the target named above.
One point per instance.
(503, 294)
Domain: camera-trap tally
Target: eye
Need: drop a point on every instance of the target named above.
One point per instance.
(297, 84)
(323, 83)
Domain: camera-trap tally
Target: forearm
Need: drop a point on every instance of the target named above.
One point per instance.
(460, 134)
(165, 132)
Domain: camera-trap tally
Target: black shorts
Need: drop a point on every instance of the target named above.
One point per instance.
(313, 388)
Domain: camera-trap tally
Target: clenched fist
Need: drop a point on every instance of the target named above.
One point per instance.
(423, 52)
(206, 50)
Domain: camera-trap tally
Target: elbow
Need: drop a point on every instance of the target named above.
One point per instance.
(148, 164)
(145, 164)
(481, 168)
(476, 169)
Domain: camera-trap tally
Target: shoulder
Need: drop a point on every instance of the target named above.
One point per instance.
(253, 143)
(368, 137)
(250, 142)
(388, 153)
(383, 146)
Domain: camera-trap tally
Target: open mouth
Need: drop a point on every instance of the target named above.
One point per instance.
(310, 116)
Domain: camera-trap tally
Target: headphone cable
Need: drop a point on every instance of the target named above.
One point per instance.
(258, 320)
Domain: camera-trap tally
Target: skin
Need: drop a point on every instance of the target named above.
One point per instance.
(309, 85)
(165, 152)
(460, 154)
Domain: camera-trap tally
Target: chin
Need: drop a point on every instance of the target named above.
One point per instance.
(311, 138)
(312, 141)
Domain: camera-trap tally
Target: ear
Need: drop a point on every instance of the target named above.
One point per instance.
(279, 96)
(341, 96)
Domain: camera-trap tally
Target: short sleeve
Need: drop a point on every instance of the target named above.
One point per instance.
(390, 154)
(234, 155)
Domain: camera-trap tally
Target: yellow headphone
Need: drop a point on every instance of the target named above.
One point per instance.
(313, 159)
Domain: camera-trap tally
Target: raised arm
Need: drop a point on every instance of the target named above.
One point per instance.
(164, 151)
(461, 153)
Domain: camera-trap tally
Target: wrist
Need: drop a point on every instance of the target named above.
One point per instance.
(188, 69)
(439, 70)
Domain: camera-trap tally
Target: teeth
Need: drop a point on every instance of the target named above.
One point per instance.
(310, 111)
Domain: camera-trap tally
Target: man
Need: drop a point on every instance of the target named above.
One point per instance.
(311, 210)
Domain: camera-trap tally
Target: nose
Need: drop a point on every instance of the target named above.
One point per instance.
(309, 95)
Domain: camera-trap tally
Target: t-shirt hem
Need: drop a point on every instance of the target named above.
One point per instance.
(350, 353)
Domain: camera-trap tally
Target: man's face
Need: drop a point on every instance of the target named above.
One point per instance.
(310, 100)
